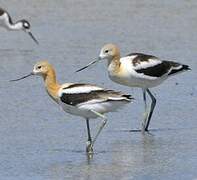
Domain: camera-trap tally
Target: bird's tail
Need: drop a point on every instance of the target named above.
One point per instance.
(128, 97)
(177, 68)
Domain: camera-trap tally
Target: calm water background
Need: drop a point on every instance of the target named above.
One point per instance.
(39, 141)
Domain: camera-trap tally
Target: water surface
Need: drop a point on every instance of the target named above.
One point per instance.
(39, 141)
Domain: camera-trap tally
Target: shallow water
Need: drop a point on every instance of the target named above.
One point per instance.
(39, 141)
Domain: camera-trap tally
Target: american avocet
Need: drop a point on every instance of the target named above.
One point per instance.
(138, 70)
(6, 22)
(85, 100)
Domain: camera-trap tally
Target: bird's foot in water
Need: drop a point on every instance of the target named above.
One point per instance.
(89, 147)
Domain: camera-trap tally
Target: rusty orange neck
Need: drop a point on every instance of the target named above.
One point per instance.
(51, 84)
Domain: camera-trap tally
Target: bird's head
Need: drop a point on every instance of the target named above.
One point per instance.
(41, 68)
(108, 52)
(26, 27)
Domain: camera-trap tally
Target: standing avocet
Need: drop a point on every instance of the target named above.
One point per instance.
(138, 70)
(6, 22)
(85, 100)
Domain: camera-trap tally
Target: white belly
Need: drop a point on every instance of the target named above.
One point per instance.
(76, 111)
(84, 110)
(129, 79)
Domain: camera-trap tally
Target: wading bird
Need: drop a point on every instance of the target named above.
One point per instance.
(6, 22)
(138, 70)
(85, 100)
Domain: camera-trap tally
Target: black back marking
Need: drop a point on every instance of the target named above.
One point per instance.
(140, 57)
(74, 99)
(1, 11)
(157, 70)
(163, 68)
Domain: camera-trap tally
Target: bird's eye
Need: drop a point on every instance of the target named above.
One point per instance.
(26, 25)
(39, 67)
(106, 51)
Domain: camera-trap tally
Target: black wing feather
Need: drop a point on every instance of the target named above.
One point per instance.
(165, 67)
(75, 99)
(155, 71)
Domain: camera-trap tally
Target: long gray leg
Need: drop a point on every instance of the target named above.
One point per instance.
(145, 115)
(144, 98)
(102, 125)
(89, 148)
(153, 104)
(88, 129)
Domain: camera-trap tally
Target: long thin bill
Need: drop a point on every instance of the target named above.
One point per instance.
(93, 62)
(31, 35)
(22, 77)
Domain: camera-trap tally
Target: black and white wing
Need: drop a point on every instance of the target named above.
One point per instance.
(152, 66)
(77, 94)
(5, 17)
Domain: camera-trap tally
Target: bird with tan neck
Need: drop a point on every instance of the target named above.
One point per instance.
(138, 70)
(85, 100)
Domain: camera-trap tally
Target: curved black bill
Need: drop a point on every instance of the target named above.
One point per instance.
(93, 62)
(22, 77)
(31, 35)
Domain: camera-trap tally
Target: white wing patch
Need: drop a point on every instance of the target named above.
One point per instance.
(147, 64)
(142, 64)
(176, 68)
(130, 69)
(78, 90)
(92, 101)
(127, 58)
(118, 98)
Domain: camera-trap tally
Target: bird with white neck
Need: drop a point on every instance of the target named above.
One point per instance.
(20, 25)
